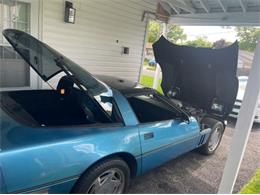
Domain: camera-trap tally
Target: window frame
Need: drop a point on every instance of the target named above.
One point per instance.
(35, 30)
(163, 99)
(19, 121)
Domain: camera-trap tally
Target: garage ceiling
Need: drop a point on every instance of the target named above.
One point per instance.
(213, 12)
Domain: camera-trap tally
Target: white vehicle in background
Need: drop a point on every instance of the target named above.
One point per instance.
(240, 96)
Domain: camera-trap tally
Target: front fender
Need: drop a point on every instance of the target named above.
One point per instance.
(204, 136)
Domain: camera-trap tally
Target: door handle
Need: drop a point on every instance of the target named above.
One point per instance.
(149, 135)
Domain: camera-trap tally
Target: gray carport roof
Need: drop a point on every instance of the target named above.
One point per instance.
(213, 12)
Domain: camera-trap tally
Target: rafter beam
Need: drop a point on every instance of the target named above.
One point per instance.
(217, 19)
(204, 6)
(188, 5)
(174, 8)
(243, 6)
(166, 6)
(224, 8)
(182, 5)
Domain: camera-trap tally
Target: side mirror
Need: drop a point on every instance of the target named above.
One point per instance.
(186, 118)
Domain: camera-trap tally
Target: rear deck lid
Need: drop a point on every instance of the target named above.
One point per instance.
(47, 62)
(203, 77)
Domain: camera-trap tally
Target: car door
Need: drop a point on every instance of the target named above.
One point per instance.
(166, 138)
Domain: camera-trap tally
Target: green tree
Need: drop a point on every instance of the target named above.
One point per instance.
(154, 31)
(176, 34)
(220, 44)
(247, 37)
(200, 42)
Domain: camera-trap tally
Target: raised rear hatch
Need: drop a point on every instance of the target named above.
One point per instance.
(47, 62)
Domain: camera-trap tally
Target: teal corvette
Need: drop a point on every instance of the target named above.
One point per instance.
(93, 134)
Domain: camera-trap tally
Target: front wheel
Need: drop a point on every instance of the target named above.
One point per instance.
(110, 176)
(214, 139)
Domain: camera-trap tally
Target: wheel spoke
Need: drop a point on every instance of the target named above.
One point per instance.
(214, 139)
(111, 181)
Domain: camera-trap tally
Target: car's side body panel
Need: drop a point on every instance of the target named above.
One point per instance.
(25, 168)
(170, 139)
(176, 147)
(34, 158)
(2, 183)
(125, 109)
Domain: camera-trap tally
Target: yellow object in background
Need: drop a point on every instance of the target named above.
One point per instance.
(62, 91)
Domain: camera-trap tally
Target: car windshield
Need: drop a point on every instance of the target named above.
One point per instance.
(47, 62)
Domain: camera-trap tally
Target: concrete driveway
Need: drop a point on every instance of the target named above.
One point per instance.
(195, 173)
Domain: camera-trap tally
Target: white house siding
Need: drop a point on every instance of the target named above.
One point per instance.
(92, 40)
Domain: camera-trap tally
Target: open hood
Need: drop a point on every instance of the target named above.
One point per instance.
(47, 62)
(202, 77)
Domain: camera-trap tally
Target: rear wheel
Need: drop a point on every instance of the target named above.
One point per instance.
(215, 137)
(110, 176)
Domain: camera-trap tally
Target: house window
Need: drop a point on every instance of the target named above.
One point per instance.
(14, 72)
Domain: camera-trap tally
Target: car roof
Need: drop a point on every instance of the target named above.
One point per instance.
(126, 87)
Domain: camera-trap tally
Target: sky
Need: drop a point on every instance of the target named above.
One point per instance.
(211, 33)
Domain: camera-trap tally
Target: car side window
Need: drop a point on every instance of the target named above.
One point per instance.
(110, 107)
(152, 108)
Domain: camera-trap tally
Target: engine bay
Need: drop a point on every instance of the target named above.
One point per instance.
(200, 115)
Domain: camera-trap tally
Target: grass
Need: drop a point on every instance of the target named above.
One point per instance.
(253, 187)
(148, 82)
(146, 63)
(153, 68)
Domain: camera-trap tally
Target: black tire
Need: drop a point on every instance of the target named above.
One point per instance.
(215, 125)
(85, 182)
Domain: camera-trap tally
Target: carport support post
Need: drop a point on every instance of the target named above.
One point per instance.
(243, 127)
(158, 69)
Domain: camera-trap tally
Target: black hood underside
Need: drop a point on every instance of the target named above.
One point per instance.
(203, 77)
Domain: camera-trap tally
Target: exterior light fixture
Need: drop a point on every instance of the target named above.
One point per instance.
(70, 13)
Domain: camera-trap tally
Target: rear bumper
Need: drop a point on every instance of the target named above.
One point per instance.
(236, 108)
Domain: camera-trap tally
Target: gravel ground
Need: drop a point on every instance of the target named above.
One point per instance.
(194, 173)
